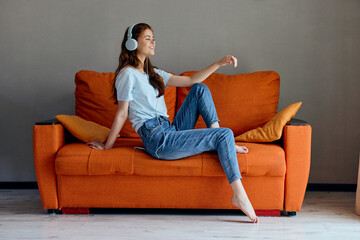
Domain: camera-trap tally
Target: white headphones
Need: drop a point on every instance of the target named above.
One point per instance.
(131, 44)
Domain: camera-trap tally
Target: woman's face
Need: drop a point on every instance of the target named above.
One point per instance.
(146, 43)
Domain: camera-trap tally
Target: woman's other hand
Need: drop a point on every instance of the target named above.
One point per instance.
(228, 60)
(96, 145)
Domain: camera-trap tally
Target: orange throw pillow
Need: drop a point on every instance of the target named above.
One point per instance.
(82, 129)
(94, 100)
(243, 101)
(273, 129)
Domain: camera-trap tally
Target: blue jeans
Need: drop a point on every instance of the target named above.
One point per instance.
(170, 141)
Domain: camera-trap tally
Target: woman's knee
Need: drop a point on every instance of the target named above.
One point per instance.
(199, 87)
(227, 133)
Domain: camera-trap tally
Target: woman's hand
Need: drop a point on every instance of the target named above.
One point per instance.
(227, 60)
(96, 145)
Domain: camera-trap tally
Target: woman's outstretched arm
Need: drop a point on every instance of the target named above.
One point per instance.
(119, 120)
(186, 81)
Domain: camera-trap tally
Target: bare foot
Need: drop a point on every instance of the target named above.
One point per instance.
(245, 206)
(241, 149)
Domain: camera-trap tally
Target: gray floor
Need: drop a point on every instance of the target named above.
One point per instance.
(325, 215)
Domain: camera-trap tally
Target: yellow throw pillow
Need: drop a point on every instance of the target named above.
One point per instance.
(273, 129)
(82, 129)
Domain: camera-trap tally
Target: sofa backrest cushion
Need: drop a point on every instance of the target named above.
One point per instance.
(94, 100)
(243, 101)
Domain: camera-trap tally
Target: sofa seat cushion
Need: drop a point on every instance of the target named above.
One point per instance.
(78, 159)
(263, 159)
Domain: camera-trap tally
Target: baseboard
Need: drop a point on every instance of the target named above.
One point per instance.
(18, 185)
(326, 187)
(322, 187)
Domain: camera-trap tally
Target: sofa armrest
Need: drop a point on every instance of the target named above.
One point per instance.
(297, 146)
(48, 138)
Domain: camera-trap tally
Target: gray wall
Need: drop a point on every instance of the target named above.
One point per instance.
(313, 45)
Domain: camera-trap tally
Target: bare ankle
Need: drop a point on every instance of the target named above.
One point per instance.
(215, 125)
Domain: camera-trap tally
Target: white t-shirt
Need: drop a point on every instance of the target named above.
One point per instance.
(133, 86)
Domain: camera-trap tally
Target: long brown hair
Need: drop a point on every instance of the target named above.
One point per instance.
(129, 58)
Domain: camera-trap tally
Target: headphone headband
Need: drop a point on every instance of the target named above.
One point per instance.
(129, 34)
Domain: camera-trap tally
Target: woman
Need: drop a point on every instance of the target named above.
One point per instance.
(139, 90)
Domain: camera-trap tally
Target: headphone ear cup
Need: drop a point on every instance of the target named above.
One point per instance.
(131, 44)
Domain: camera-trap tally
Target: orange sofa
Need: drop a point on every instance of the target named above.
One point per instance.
(70, 175)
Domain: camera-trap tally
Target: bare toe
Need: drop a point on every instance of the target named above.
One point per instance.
(241, 149)
(245, 206)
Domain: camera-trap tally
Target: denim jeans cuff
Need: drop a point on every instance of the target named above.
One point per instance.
(234, 179)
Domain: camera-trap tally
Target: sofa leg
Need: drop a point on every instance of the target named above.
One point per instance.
(76, 211)
(267, 213)
(54, 211)
(288, 213)
(69, 211)
(291, 214)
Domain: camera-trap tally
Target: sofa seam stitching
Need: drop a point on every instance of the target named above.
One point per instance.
(88, 163)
